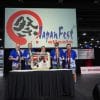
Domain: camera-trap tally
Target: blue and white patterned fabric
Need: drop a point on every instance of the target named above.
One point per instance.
(56, 62)
(72, 59)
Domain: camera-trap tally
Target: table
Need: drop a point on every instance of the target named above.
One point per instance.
(27, 84)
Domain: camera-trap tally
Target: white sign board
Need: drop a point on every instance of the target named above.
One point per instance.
(85, 53)
(90, 70)
(41, 26)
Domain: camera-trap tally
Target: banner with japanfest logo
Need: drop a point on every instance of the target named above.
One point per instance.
(41, 26)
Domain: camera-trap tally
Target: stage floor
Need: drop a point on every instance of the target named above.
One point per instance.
(83, 88)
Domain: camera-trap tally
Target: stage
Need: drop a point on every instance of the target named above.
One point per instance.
(83, 88)
(32, 84)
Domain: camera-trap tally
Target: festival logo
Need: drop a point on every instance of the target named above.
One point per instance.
(24, 25)
(40, 27)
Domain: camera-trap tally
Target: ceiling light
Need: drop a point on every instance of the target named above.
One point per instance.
(91, 43)
(85, 42)
(95, 46)
(92, 39)
(80, 44)
(97, 41)
(84, 34)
